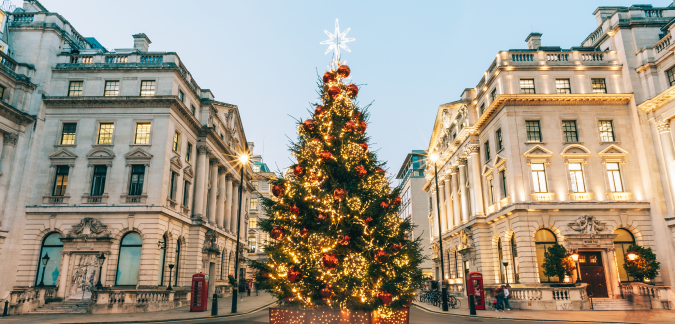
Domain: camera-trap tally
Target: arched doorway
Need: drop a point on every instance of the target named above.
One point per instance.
(544, 239)
(51, 248)
(177, 264)
(514, 259)
(129, 262)
(162, 258)
(623, 240)
(500, 254)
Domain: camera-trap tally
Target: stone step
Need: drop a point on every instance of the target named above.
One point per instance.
(54, 311)
(67, 307)
(612, 304)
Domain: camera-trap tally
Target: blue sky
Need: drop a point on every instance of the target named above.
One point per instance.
(410, 56)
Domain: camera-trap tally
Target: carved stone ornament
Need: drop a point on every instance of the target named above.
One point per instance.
(663, 126)
(466, 238)
(203, 149)
(89, 227)
(210, 245)
(587, 225)
(10, 139)
(446, 118)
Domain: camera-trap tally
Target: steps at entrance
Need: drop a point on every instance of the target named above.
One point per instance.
(611, 304)
(67, 307)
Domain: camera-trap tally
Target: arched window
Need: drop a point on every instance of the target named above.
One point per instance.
(177, 264)
(162, 258)
(129, 262)
(544, 239)
(51, 247)
(514, 259)
(458, 273)
(622, 241)
(500, 254)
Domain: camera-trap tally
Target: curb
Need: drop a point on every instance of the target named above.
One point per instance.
(184, 319)
(513, 318)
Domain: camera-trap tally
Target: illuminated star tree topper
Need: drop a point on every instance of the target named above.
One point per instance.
(336, 41)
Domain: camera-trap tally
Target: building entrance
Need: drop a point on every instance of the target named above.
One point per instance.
(84, 276)
(593, 273)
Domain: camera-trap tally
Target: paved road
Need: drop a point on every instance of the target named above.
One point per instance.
(417, 316)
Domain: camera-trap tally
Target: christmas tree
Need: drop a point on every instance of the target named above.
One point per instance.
(339, 241)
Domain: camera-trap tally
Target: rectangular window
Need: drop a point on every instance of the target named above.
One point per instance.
(614, 175)
(486, 150)
(255, 168)
(527, 86)
(105, 133)
(68, 134)
(569, 128)
(251, 244)
(562, 86)
(137, 177)
(188, 154)
(598, 85)
(671, 76)
(75, 88)
(147, 88)
(176, 142)
(577, 177)
(606, 130)
(253, 222)
(186, 193)
(502, 180)
(539, 177)
(174, 185)
(493, 95)
(482, 109)
(192, 109)
(112, 89)
(2, 92)
(98, 181)
(533, 131)
(255, 185)
(61, 180)
(180, 95)
(142, 133)
(491, 191)
(498, 137)
(254, 203)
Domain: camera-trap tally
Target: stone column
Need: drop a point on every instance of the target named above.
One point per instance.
(448, 206)
(614, 285)
(463, 190)
(443, 201)
(228, 203)
(434, 213)
(200, 185)
(477, 192)
(234, 206)
(213, 192)
(220, 204)
(8, 148)
(455, 197)
(668, 150)
(63, 274)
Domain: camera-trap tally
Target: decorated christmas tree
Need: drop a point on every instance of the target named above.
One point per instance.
(338, 240)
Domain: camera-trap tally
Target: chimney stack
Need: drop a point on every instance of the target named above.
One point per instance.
(533, 41)
(141, 42)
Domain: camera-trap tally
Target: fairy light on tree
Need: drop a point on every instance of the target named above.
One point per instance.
(337, 239)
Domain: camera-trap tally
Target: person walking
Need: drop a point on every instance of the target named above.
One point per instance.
(499, 293)
(507, 295)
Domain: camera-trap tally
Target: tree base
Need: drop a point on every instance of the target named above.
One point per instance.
(287, 315)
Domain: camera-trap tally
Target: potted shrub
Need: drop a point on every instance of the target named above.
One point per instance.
(640, 263)
(557, 263)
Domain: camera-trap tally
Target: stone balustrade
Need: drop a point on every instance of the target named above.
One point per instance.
(644, 296)
(556, 58)
(24, 300)
(545, 298)
(110, 301)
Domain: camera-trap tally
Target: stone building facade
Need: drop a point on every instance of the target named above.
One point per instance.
(122, 154)
(563, 146)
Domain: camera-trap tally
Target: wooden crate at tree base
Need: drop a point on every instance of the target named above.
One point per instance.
(283, 315)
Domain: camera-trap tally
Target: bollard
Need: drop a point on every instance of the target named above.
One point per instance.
(6, 311)
(472, 305)
(214, 305)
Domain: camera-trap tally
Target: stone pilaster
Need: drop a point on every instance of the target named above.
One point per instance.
(668, 150)
(476, 182)
(455, 197)
(213, 192)
(228, 203)
(448, 205)
(234, 206)
(220, 204)
(463, 190)
(200, 184)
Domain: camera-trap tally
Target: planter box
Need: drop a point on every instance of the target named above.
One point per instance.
(284, 315)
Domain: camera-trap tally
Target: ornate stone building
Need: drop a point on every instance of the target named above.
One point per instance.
(563, 146)
(120, 153)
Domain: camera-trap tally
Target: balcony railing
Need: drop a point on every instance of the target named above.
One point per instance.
(654, 13)
(116, 59)
(81, 59)
(648, 296)
(23, 18)
(152, 59)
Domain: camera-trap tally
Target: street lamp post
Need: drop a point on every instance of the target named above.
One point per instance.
(444, 289)
(244, 160)
(170, 271)
(506, 270)
(45, 259)
(101, 259)
(575, 258)
(633, 256)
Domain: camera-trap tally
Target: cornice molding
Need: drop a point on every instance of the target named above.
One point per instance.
(15, 115)
(659, 101)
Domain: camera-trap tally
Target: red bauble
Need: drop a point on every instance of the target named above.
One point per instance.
(278, 190)
(368, 220)
(298, 171)
(308, 125)
(328, 77)
(362, 127)
(364, 146)
(329, 261)
(326, 155)
(349, 126)
(396, 247)
(360, 171)
(385, 297)
(326, 292)
(381, 256)
(344, 240)
(319, 110)
(264, 275)
(288, 299)
(332, 138)
(396, 202)
(321, 217)
(304, 232)
(352, 90)
(384, 204)
(293, 275)
(277, 233)
(334, 92)
(380, 170)
(295, 210)
(340, 194)
(343, 70)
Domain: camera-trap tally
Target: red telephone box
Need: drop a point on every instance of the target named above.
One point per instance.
(474, 286)
(200, 293)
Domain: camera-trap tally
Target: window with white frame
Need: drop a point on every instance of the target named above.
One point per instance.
(254, 203)
(614, 177)
(577, 177)
(539, 177)
(491, 191)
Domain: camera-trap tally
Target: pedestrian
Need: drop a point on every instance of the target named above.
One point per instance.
(499, 293)
(248, 287)
(507, 296)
